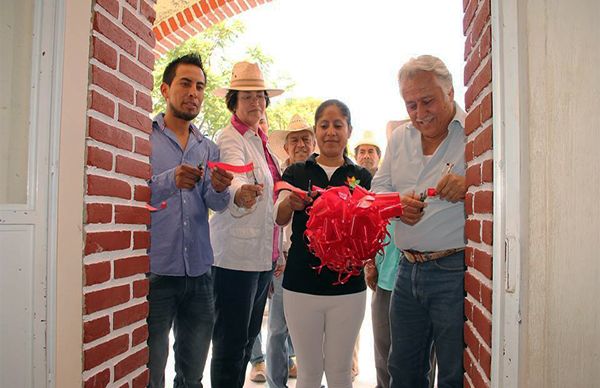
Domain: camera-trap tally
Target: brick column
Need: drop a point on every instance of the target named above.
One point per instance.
(115, 221)
(479, 200)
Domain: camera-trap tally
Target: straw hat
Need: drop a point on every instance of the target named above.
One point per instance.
(368, 138)
(277, 138)
(247, 76)
(393, 124)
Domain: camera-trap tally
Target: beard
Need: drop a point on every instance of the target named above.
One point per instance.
(187, 116)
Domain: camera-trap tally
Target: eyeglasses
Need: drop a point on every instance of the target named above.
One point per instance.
(250, 98)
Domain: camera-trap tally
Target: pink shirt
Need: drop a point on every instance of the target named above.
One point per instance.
(242, 129)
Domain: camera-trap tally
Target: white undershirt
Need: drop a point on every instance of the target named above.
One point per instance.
(328, 170)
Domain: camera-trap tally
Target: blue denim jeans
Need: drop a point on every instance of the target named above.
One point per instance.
(186, 304)
(257, 355)
(427, 309)
(240, 298)
(279, 344)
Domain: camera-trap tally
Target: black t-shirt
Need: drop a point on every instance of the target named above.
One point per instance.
(300, 276)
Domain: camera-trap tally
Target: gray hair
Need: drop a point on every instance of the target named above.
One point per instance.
(427, 63)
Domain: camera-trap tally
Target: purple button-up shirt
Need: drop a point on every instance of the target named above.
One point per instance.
(180, 242)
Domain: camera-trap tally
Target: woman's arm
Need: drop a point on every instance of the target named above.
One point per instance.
(283, 208)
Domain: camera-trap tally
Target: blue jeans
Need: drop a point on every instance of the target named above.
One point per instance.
(240, 298)
(427, 309)
(279, 344)
(186, 304)
(257, 355)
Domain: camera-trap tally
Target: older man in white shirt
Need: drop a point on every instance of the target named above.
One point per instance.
(427, 153)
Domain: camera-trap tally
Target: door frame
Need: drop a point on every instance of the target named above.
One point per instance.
(511, 182)
(66, 271)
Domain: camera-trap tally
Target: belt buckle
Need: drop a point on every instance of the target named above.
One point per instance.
(419, 257)
(413, 256)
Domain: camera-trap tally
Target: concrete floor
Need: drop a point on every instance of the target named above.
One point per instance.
(365, 378)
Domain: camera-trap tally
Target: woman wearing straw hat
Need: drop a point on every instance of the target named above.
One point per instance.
(245, 239)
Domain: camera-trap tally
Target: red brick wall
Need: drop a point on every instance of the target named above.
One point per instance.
(479, 200)
(115, 221)
(115, 260)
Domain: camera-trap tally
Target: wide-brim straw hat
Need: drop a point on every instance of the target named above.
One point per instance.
(277, 138)
(393, 124)
(247, 76)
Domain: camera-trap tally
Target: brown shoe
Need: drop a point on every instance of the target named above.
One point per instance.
(293, 371)
(257, 373)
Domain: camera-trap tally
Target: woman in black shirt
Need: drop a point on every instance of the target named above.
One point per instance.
(323, 319)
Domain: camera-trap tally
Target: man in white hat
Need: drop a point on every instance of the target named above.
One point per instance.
(294, 144)
(380, 276)
(367, 152)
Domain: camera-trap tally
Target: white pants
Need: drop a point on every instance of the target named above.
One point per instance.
(323, 329)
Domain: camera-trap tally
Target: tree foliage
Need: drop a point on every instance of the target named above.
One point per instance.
(211, 44)
(281, 112)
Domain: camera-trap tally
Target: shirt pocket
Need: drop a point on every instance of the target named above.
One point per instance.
(246, 241)
(245, 232)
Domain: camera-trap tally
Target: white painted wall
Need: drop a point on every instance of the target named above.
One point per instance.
(561, 278)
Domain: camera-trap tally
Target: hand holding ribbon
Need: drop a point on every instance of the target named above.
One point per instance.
(220, 178)
(187, 176)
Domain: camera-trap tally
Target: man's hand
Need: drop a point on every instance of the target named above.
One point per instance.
(187, 176)
(412, 211)
(246, 196)
(452, 187)
(371, 276)
(220, 179)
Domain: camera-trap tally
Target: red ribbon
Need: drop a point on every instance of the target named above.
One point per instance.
(345, 230)
(283, 185)
(162, 205)
(432, 192)
(232, 168)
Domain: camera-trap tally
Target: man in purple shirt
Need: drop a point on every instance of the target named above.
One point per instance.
(183, 189)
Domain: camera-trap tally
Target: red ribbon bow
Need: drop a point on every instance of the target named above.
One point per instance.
(345, 230)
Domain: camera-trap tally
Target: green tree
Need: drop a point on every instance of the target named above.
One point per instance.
(212, 44)
(281, 112)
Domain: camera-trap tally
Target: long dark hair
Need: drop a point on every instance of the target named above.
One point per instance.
(341, 106)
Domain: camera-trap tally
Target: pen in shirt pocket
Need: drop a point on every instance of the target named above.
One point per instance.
(447, 168)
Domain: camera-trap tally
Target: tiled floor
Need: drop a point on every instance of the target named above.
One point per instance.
(365, 379)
